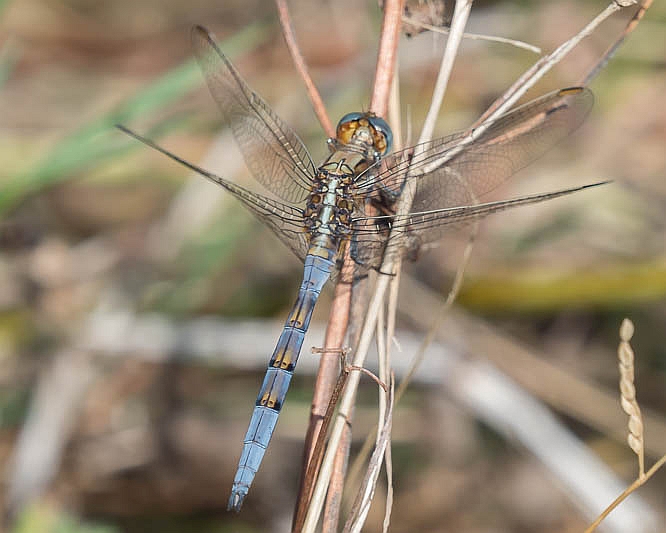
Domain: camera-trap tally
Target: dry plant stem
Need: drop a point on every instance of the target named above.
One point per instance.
(299, 62)
(318, 452)
(460, 16)
(474, 36)
(538, 70)
(631, 488)
(380, 337)
(630, 406)
(388, 47)
(394, 117)
(333, 504)
(362, 503)
(346, 404)
(379, 104)
(332, 507)
(388, 458)
(383, 336)
(608, 54)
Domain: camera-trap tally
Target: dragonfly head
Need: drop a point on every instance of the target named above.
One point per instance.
(366, 129)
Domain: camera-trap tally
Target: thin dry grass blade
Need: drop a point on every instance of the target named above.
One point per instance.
(473, 36)
(610, 52)
(541, 67)
(299, 62)
(366, 492)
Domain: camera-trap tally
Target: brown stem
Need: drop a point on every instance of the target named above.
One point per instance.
(338, 318)
(301, 67)
(307, 481)
(388, 44)
(388, 47)
(610, 52)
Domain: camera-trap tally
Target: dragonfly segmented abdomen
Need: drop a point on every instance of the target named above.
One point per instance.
(278, 376)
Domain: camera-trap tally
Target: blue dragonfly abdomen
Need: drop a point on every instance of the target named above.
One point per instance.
(278, 376)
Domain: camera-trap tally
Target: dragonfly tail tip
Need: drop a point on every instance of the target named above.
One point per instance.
(235, 501)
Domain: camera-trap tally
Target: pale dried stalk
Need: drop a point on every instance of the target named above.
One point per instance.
(387, 334)
(381, 91)
(474, 36)
(458, 23)
(630, 406)
(390, 335)
(362, 503)
(541, 67)
(631, 26)
(389, 265)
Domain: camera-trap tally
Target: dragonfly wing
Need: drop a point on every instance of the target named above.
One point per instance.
(456, 172)
(273, 152)
(371, 235)
(286, 221)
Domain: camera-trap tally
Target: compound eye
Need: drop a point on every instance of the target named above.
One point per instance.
(347, 126)
(384, 135)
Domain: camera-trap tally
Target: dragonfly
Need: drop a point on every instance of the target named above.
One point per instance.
(349, 201)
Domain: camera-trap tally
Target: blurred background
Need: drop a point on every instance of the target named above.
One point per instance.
(139, 304)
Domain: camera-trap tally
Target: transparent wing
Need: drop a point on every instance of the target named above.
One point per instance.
(272, 151)
(371, 235)
(286, 221)
(447, 173)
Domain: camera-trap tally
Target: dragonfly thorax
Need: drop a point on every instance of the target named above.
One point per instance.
(329, 206)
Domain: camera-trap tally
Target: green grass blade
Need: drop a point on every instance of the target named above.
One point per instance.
(99, 139)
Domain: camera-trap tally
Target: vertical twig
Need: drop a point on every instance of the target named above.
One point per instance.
(376, 301)
(299, 62)
(460, 16)
(362, 503)
(336, 466)
(317, 453)
(386, 55)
